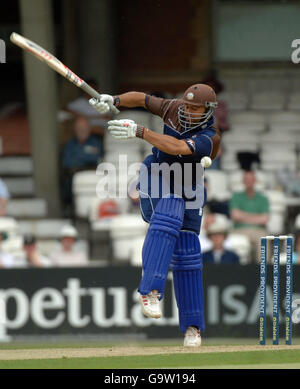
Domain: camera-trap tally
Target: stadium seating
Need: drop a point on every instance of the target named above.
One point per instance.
(241, 245)
(235, 100)
(247, 121)
(43, 228)
(229, 161)
(276, 159)
(279, 140)
(20, 186)
(284, 121)
(27, 208)
(127, 231)
(278, 209)
(120, 158)
(293, 102)
(16, 166)
(267, 101)
(157, 124)
(236, 141)
(111, 144)
(217, 183)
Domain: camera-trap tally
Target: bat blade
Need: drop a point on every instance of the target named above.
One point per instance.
(45, 56)
(54, 63)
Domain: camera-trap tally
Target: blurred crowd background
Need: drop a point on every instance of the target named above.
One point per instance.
(51, 140)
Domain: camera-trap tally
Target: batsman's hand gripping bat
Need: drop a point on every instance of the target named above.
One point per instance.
(55, 64)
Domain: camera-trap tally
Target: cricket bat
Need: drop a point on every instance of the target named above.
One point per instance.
(44, 56)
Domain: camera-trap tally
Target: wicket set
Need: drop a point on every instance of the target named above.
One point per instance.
(276, 240)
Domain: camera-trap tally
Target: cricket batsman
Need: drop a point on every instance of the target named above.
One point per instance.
(172, 204)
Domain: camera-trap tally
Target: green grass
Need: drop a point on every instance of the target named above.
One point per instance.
(193, 360)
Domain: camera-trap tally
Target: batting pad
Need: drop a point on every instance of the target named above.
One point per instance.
(187, 275)
(159, 244)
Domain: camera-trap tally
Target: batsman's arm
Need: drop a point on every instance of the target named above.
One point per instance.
(166, 143)
(130, 100)
(127, 128)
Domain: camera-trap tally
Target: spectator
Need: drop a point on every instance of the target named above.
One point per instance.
(4, 196)
(6, 259)
(217, 232)
(32, 256)
(81, 108)
(249, 211)
(221, 112)
(82, 152)
(68, 255)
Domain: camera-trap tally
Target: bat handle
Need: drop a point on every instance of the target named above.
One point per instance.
(89, 90)
(114, 109)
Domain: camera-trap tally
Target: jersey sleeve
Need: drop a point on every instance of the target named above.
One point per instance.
(157, 105)
(200, 145)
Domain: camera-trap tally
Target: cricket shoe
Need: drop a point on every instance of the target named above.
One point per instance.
(192, 337)
(150, 304)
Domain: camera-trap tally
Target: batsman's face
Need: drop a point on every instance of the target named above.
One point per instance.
(193, 114)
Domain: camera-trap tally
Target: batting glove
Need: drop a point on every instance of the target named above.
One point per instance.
(122, 129)
(104, 104)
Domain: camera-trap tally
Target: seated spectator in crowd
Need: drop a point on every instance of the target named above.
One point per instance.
(249, 211)
(32, 256)
(81, 107)
(6, 259)
(4, 196)
(221, 112)
(217, 233)
(82, 152)
(68, 255)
